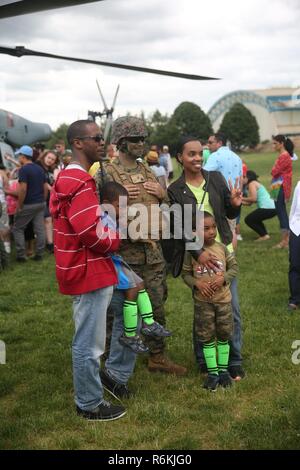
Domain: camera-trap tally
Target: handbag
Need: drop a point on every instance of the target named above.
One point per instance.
(276, 184)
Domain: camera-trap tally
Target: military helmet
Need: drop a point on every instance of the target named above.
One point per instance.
(127, 126)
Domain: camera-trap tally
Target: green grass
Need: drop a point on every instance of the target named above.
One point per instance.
(260, 412)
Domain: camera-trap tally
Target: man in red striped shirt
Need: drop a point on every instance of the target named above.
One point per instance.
(83, 266)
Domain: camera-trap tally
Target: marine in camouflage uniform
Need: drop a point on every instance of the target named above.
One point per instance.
(145, 255)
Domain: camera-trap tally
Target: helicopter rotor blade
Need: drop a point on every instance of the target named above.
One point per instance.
(102, 97)
(20, 51)
(24, 7)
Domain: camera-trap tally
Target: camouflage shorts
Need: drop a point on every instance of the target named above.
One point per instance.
(213, 321)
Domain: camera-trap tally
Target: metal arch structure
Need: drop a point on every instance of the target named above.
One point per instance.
(241, 96)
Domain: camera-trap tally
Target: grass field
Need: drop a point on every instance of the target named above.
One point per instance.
(260, 412)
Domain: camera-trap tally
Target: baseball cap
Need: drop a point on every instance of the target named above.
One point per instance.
(25, 150)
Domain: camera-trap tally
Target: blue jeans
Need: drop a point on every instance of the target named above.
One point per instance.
(294, 269)
(281, 211)
(89, 314)
(121, 360)
(235, 355)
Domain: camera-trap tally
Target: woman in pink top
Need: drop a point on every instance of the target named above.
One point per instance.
(283, 169)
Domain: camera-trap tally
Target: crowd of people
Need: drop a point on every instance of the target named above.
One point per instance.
(112, 261)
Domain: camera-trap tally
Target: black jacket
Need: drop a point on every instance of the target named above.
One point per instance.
(219, 199)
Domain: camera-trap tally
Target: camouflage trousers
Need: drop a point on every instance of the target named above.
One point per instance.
(213, 321)
(154, 277)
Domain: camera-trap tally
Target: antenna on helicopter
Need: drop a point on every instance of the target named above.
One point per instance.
(108, 112)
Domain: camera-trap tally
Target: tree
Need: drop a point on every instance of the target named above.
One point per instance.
(60, 133)
(240, 126)
(189, 119)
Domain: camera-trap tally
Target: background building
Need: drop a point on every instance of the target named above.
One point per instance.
(277, 110)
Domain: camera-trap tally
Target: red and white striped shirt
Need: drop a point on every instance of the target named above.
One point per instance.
(81, 244)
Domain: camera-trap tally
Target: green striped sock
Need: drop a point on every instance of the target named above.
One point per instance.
(145, 307)
(130, 317)
(223, 355)
(210, 355)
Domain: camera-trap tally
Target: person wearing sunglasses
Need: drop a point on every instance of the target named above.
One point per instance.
(144, 255)
(85, 271)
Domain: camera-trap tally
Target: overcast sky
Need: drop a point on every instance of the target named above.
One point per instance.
(250, 44)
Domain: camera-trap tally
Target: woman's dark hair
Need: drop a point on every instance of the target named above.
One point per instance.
(287, 143)
(182, 141)
(251, 176)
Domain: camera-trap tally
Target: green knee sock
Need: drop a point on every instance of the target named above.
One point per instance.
(223, 355)
(210, 355)
(145, 307)
(130, 318)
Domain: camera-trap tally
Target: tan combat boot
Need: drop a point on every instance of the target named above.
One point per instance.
(161, 363)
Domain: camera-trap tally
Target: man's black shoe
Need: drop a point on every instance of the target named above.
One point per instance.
(104, 412)
(236, 372)
(37, 258)
(21, 260)
(118, 390)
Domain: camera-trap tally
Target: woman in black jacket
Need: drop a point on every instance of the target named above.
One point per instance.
(207, 191)
(197, 187)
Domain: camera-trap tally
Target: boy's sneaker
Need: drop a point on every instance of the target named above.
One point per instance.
(155, 329)
(236, 372)
(211, 382)
(104, 412)
(117, 390)
(134, 343)
(224, 379)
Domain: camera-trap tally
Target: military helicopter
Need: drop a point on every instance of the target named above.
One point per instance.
(16, 131)
(11, 8)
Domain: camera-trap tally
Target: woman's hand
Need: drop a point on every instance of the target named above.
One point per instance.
(209, 260)
(236, 194)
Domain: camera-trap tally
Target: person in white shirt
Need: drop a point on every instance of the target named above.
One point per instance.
(294, 251)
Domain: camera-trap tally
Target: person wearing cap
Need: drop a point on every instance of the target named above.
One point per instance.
(33, 191)
(158, 170)
(265, 205)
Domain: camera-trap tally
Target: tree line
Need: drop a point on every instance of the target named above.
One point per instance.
(238, 124)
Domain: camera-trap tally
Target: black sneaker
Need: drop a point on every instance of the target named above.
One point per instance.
(236, 372)
(211, 382)
(155, 329)
(37, 258)
(134, 343)
(117, 390)
(21, 259)
(104, 412)
(224, 379)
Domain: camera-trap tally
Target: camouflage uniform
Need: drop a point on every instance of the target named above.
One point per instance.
(145, 258)
(144, 255)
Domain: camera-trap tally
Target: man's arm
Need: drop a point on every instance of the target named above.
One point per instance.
(22, 194)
